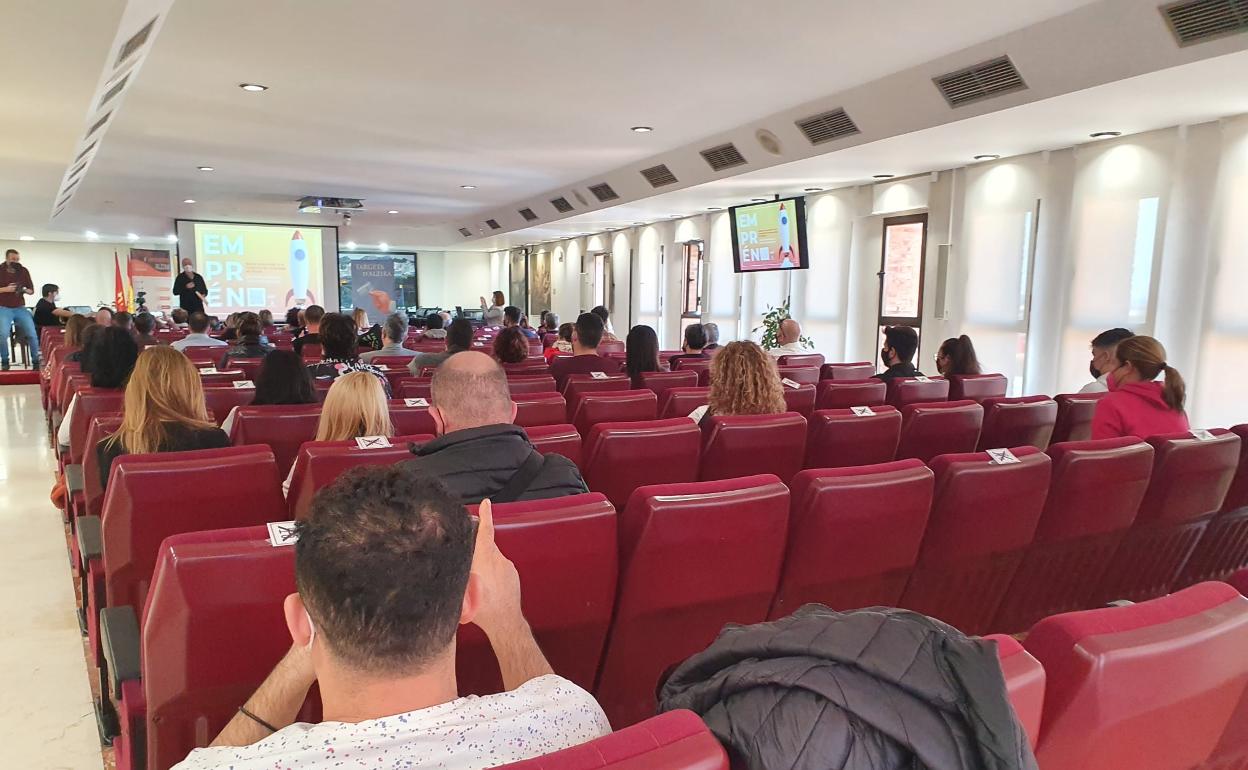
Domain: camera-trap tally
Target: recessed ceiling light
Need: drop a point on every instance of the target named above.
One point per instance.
(92, 235)
(189, 200)
(392, 211)
(383, 246)
(131, 237)
(171, 238)
(1105, 134)
(987, 157)
(467, 187)
(882, 176)
(26, 237)
(350, 244)
(206, 168)
(813, 189)
(253, 87)
(641, 129)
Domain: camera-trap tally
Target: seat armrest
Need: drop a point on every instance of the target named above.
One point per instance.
(90, 539)
(73, 478)
(119, 638)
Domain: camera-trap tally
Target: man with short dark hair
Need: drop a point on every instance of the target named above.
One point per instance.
(1103, 361)
(433, 327)
(512, 316)
(312, 316)
(46, 312)
(694, 345)
(124, 320)
(586, 335)
(180, 317)
(144, 325)
(393, 334)
(15, 284)
(458, 339)
(197, 324)
(388, 565)
(900, 345)
(479, 452)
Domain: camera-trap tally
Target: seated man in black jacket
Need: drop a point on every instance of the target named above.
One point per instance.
(900, 345)
(479, 453)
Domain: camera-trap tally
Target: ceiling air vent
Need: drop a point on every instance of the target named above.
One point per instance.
(528, 215)
(826, 126)
(116, 89)
(724, 156)
(77, 170)
(135, 42)
(83, 154)
(561, 205)
(980, 81)
(464, 231)
(603, 192)
(659, 175)
(493, 224)
(1196, 21)
(99, 124)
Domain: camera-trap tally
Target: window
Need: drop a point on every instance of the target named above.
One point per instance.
(901, 271)
(693, 280)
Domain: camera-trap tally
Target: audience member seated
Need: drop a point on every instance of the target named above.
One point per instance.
(695, 344)
(393, 334)
(294, 321)
(957, 356)
(110, 359)
(789, 340)
(75, 335)
(511, 346)
(479, 453)
(231, 328)
(87, 338)
(266, 322)
(1103, 361)
(179, 316)
(587, 333)
(124, 320)
(604, 315)
(338, 351)
(163, 411)
(312, 317)
(433, 327)
(641, 354)
(387, 567)
(104, 316)
(900, 345)
(744, 380)
(247, 344)
(283, 379)
(1137, 405)
(550, 324)
(46, 313)
(562, 345)
(514, 318)
(369, 335)
(355, 406)
(458, 339)
(198, 337)
(144, 325)
(712, 336)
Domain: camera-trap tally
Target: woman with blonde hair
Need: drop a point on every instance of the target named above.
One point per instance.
(744, 380)
(1138, 404)
(163, 411)
(355, 406)
(369, 335)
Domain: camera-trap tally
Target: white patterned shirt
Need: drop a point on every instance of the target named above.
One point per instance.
(541, 716)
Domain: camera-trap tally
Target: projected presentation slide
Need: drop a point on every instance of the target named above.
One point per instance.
(250, 267)
(770, 236)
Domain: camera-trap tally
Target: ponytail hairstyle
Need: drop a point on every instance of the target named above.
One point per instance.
(961, 355)
(1148, 357)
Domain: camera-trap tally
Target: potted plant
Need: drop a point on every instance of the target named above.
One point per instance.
(771, 327)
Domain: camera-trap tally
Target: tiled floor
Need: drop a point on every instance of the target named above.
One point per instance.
(46, 718)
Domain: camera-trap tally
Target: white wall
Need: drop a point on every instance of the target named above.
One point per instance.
(84, 271)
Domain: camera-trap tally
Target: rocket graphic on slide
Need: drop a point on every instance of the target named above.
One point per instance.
(786, 249)
(298, 270)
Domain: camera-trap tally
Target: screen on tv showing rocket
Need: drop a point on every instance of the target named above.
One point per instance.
(769, 236)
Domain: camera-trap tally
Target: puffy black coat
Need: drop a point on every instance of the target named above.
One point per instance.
(872, 689)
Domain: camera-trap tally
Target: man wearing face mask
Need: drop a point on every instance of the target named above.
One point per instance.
(15, 284)
(190, 288)
(1103, 362)
(900, 345)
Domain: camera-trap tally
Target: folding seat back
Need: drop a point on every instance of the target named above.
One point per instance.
(661, 382)
(101, 427)
(1024, 683)
(1237, 494)
(310, 352)
(1150, 685)
(984, 516)
(744, 445)
(249, 366)
(840, 438)
(610, 346)
(800, 374)
(800, 399)
(539, 409)
(70, 385)
(1074, 416)
(614, 406)
(319, 463)
(411, 420)
(527, 368)
(700, 365)
(810, 360)
(842, 394)
(692, 558)
(1223, 549)
(977, 387)
(675, 740)
(210, 353)
(1025, 421)
(679, 402)
(388, 361)
(559, 439)
(220, 399)
(910, 390)
(854, 535)
(578, 384)
(569, 591)
(282, 428)
(414, 387)
(91, 401)
(939, 428)
(531, 383)
(223, 377)
(1093, 499)
(620, 457)
(56, 386)
(859, 370)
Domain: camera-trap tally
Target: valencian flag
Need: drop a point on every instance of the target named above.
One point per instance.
(119, 299)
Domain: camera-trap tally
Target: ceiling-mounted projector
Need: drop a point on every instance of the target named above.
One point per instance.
(311, 204)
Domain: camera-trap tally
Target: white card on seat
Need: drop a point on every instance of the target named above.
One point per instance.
(786, 382)
(1203, 434)
(209, 370)
(372, 442)
(244, 384)
(598, 375)
(415, 402)
(282, 533)
(922, 378)
(862, 411)
(1002, 457)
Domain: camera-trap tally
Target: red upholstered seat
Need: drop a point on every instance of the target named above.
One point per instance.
(578, 384)
(679, 402)
(568, 592)
(102, 426)
(983, 518)
(858, 370)
(838, 438)
(842, 394)
(800, 399)
(411, 420)
(1151, 685)
(1189, 482)
(1024, 683)
(559, 439)
(676, 740)
(209, 353)
(91, 401)
(745, 445)
(939, 428)
(222, 398)
(977, 387)
(1094, 497)
(801, 374)
(907, 390)
(811, 360)
(700, 365)
(1074, 416)
(282, 428)
(318, 463)
(1237, 495)
(692, 558)
(540, 409)
(620, 457)
(1223, 549)
(610, 346)
(310, 352)
(614, 406)
(530, 383)
(1024, 421)
(414, 387)
(225, 377)
(854, 535)
(661, 382)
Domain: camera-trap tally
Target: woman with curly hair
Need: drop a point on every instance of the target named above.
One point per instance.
(744, 380)
(510, 346)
